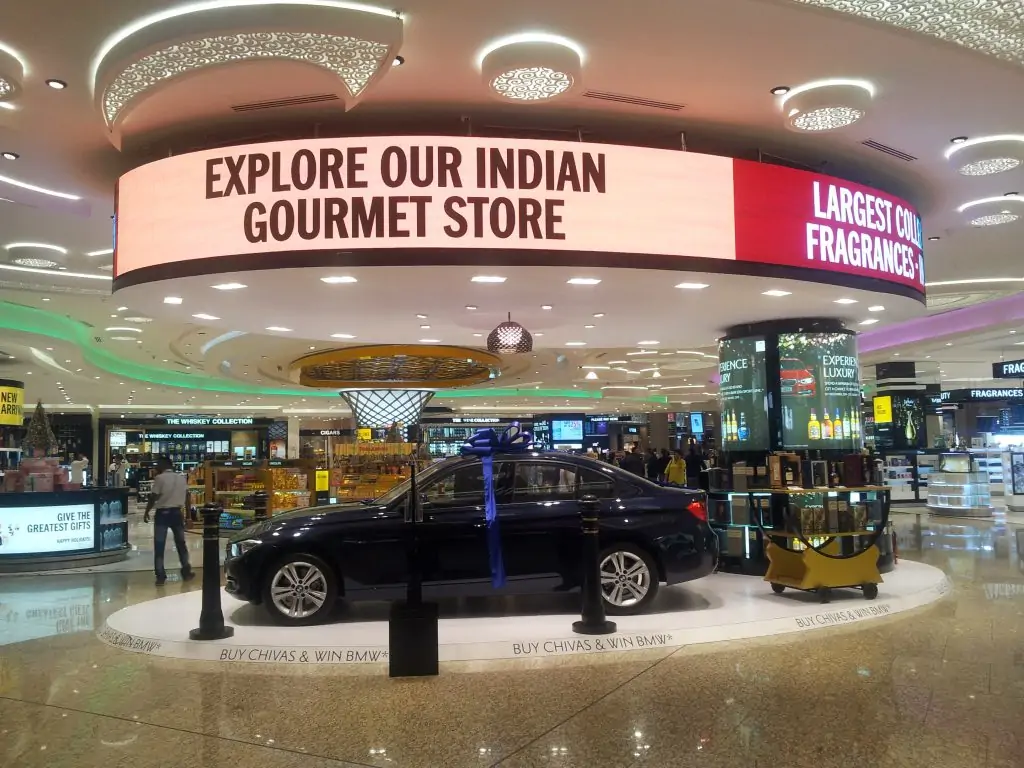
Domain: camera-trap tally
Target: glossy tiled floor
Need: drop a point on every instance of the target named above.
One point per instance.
(939, 687)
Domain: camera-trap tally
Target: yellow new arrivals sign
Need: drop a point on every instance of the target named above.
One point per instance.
(12, 402)
(323, 480)
(883, 409)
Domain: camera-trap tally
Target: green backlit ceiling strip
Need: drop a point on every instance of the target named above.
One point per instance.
(18, 317)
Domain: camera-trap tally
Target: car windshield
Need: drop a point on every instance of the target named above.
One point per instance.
(421, 477)
(789, 364)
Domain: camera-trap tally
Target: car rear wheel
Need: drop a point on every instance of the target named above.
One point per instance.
(300, 589)
(629, 579)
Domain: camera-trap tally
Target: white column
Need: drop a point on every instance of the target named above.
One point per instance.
(293, 437)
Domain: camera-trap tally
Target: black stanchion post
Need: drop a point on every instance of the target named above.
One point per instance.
(211, 619)
(260, 503)
(593, 621)
(412, 624)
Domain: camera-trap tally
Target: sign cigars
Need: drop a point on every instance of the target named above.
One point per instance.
(1008, 369)
(508, 194)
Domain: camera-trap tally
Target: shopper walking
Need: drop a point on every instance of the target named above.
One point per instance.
(676, 471)
(633, 461)
(170, 492)
(652, 463)
(694, 464)
(663, 461)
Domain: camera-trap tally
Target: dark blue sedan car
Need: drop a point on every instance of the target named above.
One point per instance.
(300, 563)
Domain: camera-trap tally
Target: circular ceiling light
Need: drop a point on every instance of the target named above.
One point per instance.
(987, 155)
(10, 155)
(139, 319)
(995, 219)
(57, 85)
(531, 84)
(992, 211)
(827, 118)
(531, 68)
(826, 105)
(37, 263)
(990, 166)
(780, 90)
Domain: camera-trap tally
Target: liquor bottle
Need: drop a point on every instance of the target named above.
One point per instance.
(733, 427)
(813, 428)
(727, 426)
(838, 427)
(743, 433)
(826, 427)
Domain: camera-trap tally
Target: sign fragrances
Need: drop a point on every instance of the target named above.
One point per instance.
(1008, 369)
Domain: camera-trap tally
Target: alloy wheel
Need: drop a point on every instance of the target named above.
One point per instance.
(625, 578)
(299, 589)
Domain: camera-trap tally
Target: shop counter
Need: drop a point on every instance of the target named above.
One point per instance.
(744, 520)
(63, 529)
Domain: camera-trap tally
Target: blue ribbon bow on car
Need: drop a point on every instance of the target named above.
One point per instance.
(485, 444)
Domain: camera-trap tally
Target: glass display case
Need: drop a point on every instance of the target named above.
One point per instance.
(959, 489)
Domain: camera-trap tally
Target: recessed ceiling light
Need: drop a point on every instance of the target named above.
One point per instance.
(124, 328)
(845, 301)
(122, 338)
(575, 343)
(692, 286)
(57, 85)
(425, 327)
(949, 343)
(104, 252)
(546, 306)
(869, 321)
(583, 281)
(422, 317)
(480, 334)
(876, 308)
(172, 300)
(398, 61)
(429, 341)
(647, 343)
(277, 329)
(139, 319)
(204, 316)
(588, 327)
(337, 279)
(933, 238)
(10, 155)
(45, 299)
(122, 309)
(775, 292)
(342, 336)
(958, 140)
(591, 376)
(230, 286)
(470, 307)
(1012, 332)
(488, 279)
(780, 90)
(599, 314)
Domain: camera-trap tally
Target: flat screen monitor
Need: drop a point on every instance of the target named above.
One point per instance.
(697, 423)
(568, 431)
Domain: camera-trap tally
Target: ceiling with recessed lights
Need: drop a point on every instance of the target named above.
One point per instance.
(85, 99)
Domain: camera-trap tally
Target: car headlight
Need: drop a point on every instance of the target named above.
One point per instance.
(808, 380)
(239, 548)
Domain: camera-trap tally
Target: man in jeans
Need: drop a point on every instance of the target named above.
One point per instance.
(170, 493)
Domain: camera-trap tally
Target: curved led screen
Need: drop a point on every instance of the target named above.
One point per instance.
(305, 202)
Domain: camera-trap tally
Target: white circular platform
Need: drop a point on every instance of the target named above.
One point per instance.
(718, 607)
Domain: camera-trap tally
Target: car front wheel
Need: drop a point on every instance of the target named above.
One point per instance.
(299, 590)
(629, 579)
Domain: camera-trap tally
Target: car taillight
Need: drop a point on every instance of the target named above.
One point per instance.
(699, 510)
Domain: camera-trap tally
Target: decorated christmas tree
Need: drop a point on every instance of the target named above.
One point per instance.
(40, 440)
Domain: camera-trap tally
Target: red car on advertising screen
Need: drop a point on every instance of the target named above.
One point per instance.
(796, 377)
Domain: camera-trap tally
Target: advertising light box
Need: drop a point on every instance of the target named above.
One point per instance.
(36, 530)
(567, 431)
(819, 379)
(743, 394)
(278, 203)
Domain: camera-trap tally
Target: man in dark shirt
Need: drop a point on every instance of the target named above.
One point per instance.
(633, 461)
(694, 464)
